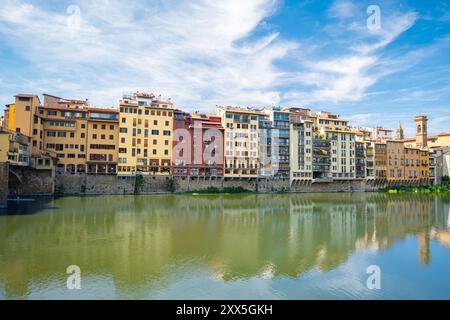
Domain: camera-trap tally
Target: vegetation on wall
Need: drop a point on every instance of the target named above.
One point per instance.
(424, 189)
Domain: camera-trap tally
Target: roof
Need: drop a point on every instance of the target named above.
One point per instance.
(26, 95)
(240, 110)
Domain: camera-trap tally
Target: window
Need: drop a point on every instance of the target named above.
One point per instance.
(155, 132)
(27, 108)
(94, 136)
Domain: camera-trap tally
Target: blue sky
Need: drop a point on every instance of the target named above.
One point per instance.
(316, 54)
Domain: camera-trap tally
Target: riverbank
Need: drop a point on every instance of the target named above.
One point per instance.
(419, 189)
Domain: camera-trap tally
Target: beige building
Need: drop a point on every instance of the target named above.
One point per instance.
(241, 141)
(145, 135)
(14, 148)
(334, 147)
(301, 135)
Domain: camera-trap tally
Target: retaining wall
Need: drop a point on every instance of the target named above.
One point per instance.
(92, 185)
(4, 172)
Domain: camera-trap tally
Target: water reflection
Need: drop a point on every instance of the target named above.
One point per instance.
(144, 243)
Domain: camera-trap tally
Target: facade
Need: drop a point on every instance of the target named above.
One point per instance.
(145, 135)
(406, 164)
(83, 138)
(140, 137)
(301, 146)
(334, 146)
(280, 140)
(265, 145)
(438, 141)
(378, 133)
(198, 147)
(241, 141)
(380, 156)
(360, 159)
(24, 117)
(14, 148)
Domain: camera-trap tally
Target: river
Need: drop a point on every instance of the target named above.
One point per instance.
(282, 246)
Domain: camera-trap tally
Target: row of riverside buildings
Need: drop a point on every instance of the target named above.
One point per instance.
(146, 135)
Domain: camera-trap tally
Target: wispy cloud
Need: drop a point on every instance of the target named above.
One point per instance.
(199, 52)
(348, 76)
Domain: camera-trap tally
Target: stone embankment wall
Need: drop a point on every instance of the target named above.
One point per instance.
(4, 171)
(26, 181)
(97, 185)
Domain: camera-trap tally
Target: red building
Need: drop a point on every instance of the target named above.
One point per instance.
(198, 148)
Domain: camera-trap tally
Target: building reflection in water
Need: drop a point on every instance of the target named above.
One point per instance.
(151, 239)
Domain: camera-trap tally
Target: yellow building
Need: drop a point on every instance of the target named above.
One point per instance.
(14, 148)
(145, 137)
(84, 138)
(24, 117)
(241, 141)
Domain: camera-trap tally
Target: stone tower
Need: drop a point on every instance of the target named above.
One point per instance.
(400, 134)
(421, 131)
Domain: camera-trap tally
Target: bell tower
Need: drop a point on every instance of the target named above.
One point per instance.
(400, 134)
(421, 131)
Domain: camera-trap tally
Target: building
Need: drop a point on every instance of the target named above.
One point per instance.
(380, 156)
(145, 135)
(360, 159)
(378, 133)
(265, 126)
(83, 138)
(14, 148)
(198, 148)
(399, 133)
(301, 135)
(334, 146)
(241, 141)
(439, 162)
(440, 140)
(24, 117)
(421, 131)
(406, 165)
(280, 140)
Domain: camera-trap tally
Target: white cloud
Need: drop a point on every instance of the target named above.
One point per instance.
(347, 76)
(199, 52)
(342, 9)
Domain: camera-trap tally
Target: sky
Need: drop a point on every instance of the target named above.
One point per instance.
(372, 66)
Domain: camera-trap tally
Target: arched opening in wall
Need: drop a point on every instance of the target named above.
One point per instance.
(14, 182)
